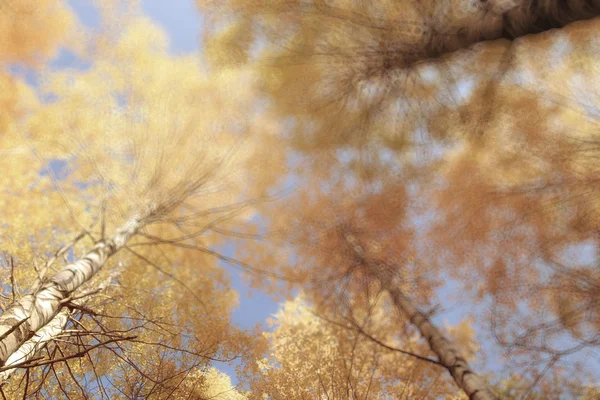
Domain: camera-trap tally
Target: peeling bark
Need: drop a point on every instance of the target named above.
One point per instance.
(448, 354)
(31, 347)
(47, 333)
(25, 317)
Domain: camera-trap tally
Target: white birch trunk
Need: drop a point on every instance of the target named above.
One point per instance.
(28, 315)
(47, 333)
(448, 354)
(30, 348)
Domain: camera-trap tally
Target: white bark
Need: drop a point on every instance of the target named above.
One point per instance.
(30, 348)
(28, 315)
(448, 354)
(47, 333)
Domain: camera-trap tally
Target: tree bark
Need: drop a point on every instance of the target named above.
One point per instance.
(47, 333)
(31, 347)
(26, 316)
(448, 354)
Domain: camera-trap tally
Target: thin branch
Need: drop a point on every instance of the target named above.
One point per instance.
(362, 332)
(80, 307)
(12, 279)
(33, 363)
(13, 328)
(59, 253)
(103, 219)
(26, 385)
(179, 281)
(81, 296)
(70, 372)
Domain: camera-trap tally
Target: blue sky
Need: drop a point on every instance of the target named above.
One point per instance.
(180, 18)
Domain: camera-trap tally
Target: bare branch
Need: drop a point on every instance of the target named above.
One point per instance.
(12, 279)
(39, 361)
(13, 328)
(357, 328)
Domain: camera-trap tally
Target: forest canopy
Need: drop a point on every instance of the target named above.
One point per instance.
(341, 199)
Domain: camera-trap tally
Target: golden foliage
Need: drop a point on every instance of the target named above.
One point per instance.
(496, 142)
(311, 355)
(138, 131)
(443, 156)
(20, 21)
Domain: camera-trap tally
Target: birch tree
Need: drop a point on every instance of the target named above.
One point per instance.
(353, 245)
(334, 356)
(377, 71)
(143, 155)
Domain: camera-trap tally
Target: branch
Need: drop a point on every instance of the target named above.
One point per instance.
(179, 281)
(59, 253)
(81, 296)
(80, 307)
(13, 328)
(12, 279)
(362, 332)
(29, 364)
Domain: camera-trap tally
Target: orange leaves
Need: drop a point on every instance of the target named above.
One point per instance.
(465, 164)
(463, 335)
(148, 125)
(20, 21)
(230, 47)
(351, 71)
(323, 261)
(21, 42)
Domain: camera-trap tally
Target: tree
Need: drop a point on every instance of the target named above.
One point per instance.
(376, 71)
(428, 142)
(352, 245)
(126, 152)
(316, 356)
(501, 133)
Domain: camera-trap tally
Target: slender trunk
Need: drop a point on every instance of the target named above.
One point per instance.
(26, 316)
(47, 333)
(448, 354)
(30, 348)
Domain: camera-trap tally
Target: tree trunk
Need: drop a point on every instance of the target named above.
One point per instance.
(31, 347)
(26, 316)
(448, 355)
(47, 333)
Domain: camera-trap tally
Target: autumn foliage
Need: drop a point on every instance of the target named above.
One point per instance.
(414, 181)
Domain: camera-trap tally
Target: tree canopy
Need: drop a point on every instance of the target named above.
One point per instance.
(413, 182)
